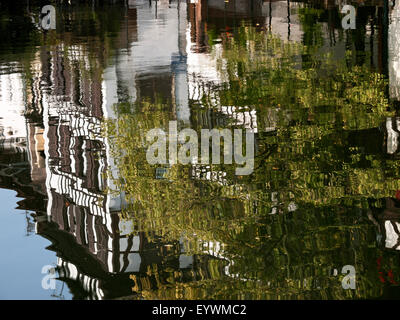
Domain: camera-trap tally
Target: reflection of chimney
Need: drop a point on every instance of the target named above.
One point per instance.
(180, 68)
(385, 35)
(198, 14)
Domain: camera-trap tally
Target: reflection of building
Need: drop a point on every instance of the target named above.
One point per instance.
(76, 159)
(69, 156)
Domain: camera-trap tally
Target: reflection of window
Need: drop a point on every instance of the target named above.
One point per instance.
(85, 161)
(79, 160)
(392, 235)
(392, 135)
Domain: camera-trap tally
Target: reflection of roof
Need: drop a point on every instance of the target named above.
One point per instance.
(17, 178)
(91, 277)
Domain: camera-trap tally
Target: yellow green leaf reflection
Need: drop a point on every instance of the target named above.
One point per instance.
(280, 232)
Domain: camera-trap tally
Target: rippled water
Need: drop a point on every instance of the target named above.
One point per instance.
(76, 104)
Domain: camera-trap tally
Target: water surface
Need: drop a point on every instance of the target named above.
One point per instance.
(76, 104)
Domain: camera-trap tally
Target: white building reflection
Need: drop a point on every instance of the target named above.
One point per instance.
(394, 52)
(13, 131)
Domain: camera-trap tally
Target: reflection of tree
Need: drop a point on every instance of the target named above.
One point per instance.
(314, 106)
(314, 155)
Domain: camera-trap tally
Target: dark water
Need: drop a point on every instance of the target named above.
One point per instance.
(76, 103)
